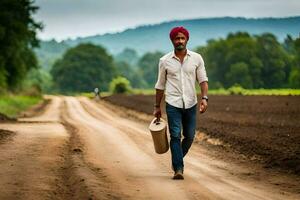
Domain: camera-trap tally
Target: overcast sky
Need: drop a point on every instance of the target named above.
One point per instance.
(73, 18)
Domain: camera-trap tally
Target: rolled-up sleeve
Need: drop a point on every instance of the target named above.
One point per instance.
(161, 80)
(201, 72)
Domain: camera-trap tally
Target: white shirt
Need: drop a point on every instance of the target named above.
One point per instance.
(178, 79)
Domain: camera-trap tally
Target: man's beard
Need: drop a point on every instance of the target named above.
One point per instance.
(180, 47)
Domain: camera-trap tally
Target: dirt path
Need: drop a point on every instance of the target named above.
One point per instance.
(30, 161)
(79, 149)
(124, 148)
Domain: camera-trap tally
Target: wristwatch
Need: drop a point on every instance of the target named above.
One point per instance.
(205, 97)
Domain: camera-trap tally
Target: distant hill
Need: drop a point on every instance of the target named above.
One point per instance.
(49, 52)
(155, 37)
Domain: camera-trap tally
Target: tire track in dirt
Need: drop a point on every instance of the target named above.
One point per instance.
(85, 180)
(140, 135)
(37, 162)
(6, 135)
(132, 170)
(30, 163)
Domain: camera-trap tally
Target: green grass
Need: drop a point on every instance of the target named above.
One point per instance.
(12, 105)
(242, 91)
(92, 95)
(133, 91)
(143, 91)
(235, 90)
(86, 94)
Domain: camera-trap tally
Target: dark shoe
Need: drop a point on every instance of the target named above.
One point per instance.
(178, 175)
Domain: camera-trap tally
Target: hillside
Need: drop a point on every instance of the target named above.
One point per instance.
(155, 37)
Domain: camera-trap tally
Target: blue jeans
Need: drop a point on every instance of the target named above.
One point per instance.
(177, 118)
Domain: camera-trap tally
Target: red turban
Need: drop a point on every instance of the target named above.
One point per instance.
(179, 29)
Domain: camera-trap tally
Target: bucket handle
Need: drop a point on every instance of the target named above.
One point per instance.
(157, 121)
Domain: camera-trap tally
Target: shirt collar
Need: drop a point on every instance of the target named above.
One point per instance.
(188, 52)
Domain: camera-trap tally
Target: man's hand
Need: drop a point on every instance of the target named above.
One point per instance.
(203, 106)
(157, 113)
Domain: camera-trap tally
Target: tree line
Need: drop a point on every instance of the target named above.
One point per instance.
(88, 66)
(258, 61)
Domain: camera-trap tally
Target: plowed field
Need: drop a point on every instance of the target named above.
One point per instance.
(265, 128)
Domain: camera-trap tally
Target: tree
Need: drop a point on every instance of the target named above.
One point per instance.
(252, 61)
(38, 77)
(124, 69)
(239, 74)
(132, 74)
(294, 76)
(297, 51)
(148, 67)
(222, 57)
(83, 68)
(274, 59)
(17, 38)
(129, 56)
(288, 44)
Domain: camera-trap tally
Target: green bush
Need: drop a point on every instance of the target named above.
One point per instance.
(33, 91)
(120, 85)
(294, 79)
(236, 89)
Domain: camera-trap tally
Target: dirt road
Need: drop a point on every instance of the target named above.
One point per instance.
(79, 149)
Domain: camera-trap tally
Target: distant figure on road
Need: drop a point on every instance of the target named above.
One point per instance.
(178, 72)
(97, 93)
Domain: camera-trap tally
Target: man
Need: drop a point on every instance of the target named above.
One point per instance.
(97, 93)
(178, 72)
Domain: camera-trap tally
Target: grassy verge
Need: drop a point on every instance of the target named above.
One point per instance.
(242, 91)
(12, 105)
(230, 91)
(92, 95)
(234, 91)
